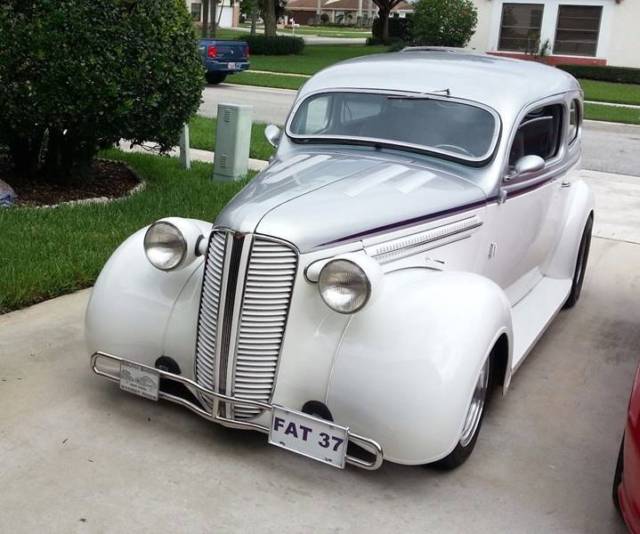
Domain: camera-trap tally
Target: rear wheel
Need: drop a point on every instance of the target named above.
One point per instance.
(472, 423)
(214, 78)
(581, 265)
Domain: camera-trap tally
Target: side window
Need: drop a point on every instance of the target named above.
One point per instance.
(574, 121)
(538, 134)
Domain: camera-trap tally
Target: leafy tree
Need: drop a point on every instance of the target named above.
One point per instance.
(251, 10)
(76, 76)
(444, 22)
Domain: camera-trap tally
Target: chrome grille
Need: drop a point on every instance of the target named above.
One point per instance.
(265, 306)
(259, 320)
(209, 307)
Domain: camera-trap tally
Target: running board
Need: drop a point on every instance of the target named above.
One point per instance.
(533, 314)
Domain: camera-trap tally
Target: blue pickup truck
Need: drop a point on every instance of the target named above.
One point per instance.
(222, 58)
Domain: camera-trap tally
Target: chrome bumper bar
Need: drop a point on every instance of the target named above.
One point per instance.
(369, 445)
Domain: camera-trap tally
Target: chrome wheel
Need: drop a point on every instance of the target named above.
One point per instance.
(474, 414)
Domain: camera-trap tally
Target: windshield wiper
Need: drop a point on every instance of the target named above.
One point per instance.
(420, 96)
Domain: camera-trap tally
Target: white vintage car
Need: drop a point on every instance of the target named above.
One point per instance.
(418, 229)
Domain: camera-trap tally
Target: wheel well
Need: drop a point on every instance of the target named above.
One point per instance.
(500, 360)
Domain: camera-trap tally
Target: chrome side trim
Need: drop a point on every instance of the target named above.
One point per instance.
(421, 241)
(370, 445)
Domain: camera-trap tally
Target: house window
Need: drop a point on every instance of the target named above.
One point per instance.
(577, 30)
(196, 11)
(520, 27)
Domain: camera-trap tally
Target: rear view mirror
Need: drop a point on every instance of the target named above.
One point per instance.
(526, 165)
(273, 134)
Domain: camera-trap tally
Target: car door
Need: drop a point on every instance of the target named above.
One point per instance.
(522, 231)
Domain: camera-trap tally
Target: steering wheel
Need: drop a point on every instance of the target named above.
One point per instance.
(455, 148)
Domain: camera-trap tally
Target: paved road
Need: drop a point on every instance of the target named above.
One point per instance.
(269, 105)
(607, 147)
(321, 40)
(77, 454)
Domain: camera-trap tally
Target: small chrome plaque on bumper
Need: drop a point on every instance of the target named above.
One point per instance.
(139, 380)
(309, 436)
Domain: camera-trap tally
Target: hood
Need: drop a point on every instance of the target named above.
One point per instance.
(317, 199)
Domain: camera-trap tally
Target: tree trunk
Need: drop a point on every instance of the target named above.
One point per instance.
(270, 18)
(205, 19)
(254, 21)
(384, 19)
(67, 160)
(25, 154)
(214, 21)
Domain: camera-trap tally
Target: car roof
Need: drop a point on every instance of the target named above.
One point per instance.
(507, 85)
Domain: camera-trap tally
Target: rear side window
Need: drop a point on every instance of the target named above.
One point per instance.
(574, 121)
(538, 134)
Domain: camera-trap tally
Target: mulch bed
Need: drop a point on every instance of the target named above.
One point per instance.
(107, 179)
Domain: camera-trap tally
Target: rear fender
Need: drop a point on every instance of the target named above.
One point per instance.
(407, 365)
(562, 263)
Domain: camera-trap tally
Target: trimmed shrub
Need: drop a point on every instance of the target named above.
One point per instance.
(76, 76)
(604, 74)
(261, 45)
(443, 22)
(399, 30)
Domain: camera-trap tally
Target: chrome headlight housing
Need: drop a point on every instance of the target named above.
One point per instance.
(165, 245)
(344, 286)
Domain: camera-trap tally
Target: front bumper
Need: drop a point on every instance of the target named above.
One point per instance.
(108, 366)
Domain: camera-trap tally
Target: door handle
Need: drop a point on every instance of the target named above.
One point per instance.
(565, 183)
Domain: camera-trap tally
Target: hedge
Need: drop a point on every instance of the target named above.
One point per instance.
(281, 45)
(399, 30)
(604, 74)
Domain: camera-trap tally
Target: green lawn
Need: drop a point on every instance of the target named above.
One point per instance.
(618, 93)
(55, 251)
(267, 80)
(313, 58)
(202, 132)
(599, 112)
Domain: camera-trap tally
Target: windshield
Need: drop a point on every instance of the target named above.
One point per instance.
(443, 126)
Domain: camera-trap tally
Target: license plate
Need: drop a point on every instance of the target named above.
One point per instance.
(309, 436)
(231, 66)
(139, 380)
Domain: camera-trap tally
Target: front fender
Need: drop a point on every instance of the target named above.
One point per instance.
(139, 312)
(407, 365)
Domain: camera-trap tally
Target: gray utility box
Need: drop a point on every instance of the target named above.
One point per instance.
(233, 137)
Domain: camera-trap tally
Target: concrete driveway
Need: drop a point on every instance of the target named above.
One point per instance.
(79, 455)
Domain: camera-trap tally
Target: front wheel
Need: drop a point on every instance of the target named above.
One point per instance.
(214, 78)
(472, 423)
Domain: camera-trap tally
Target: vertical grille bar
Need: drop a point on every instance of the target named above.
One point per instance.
(227, 324)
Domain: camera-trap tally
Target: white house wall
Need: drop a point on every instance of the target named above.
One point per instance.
(618, 40)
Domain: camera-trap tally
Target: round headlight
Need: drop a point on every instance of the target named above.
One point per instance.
(164, 245)
(344, 286)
